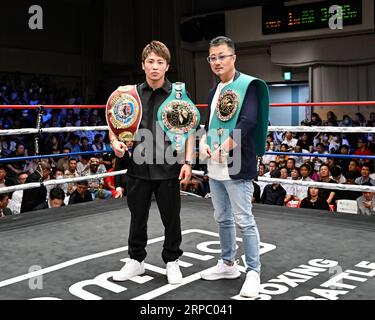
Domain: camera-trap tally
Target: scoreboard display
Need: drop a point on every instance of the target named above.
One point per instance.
(309, 16)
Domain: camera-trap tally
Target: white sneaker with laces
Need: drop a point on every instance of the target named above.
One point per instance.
(131, 269)
(221, 271)
(251, 286)
(174, 274)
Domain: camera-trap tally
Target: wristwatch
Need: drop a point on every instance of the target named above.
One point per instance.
(189, 163)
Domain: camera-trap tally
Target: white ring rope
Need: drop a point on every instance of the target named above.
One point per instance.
(33, 185)
(323, 185)
(322, 129)
(50, 130)
(270, 129)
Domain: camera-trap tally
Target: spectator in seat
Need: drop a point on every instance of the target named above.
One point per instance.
(290, 141)
(305, 142)
(261, 173)
(271, 168)
(314, 200)
(343, 163)
(317, 161)
(337, 175)
(302, 191)
(366, 203)
(4, 181)
(16, 200)
(71, 173)
(354, 169)
(365, 176)
(63, 163)
(362, 150)
(34, 197)
(82, 194)
(56, 200)
(324, 174)
(96, 185)
(274, 193)
(4, 210)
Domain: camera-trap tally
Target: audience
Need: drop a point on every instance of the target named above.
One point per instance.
(15, 90)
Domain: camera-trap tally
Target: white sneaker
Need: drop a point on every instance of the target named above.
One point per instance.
(174, 274)
(221, 271)
(251, 286)
(131, 269)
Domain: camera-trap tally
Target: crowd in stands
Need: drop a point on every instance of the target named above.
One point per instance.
(317, 167)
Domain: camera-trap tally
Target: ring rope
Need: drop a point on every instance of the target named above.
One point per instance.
(270, 129)
(321, 155)
(322, 129)
(290, 154)
(11, 132)
(202, 105)
(323, 185)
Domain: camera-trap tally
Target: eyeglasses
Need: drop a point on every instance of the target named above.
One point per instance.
(220, 58)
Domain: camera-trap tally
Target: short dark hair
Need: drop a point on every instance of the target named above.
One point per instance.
(57, 193)
(159, 48)
(222, 40)
(3, 195)
(276, 174)
(307, 166)
(82, 183)
(336, 171)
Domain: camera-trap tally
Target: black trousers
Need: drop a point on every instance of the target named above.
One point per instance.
(167, 194)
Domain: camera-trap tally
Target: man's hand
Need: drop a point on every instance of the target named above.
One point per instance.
(219, 155)
(119, 192)
(368, 204)
(185, 174)
(205, 151)
(119, 148)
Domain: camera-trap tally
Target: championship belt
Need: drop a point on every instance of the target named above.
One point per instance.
(124, 112)
(178, 116)
(225, 117)
(228, 109)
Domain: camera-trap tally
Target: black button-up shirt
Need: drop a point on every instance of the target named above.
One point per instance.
(151, 101)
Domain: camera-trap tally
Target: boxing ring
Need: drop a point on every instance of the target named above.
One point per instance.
(70, 253)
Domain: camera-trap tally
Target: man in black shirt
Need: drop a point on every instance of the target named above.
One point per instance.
(161, 178)
(81, 194)
(274, 193)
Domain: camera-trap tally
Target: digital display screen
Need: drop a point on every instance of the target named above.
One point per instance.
(309, 16)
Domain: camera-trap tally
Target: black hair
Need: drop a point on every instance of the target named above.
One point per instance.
(82, 183)
(222, 40)
(3, 195)
(57, 193)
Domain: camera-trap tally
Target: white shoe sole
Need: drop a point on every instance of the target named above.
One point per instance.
(220, 277)
(248, 295)
(120, 278)
(175, 282)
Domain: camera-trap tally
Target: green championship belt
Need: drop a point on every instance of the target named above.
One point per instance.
(178, 117)
(124, 112)
(228, 109)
